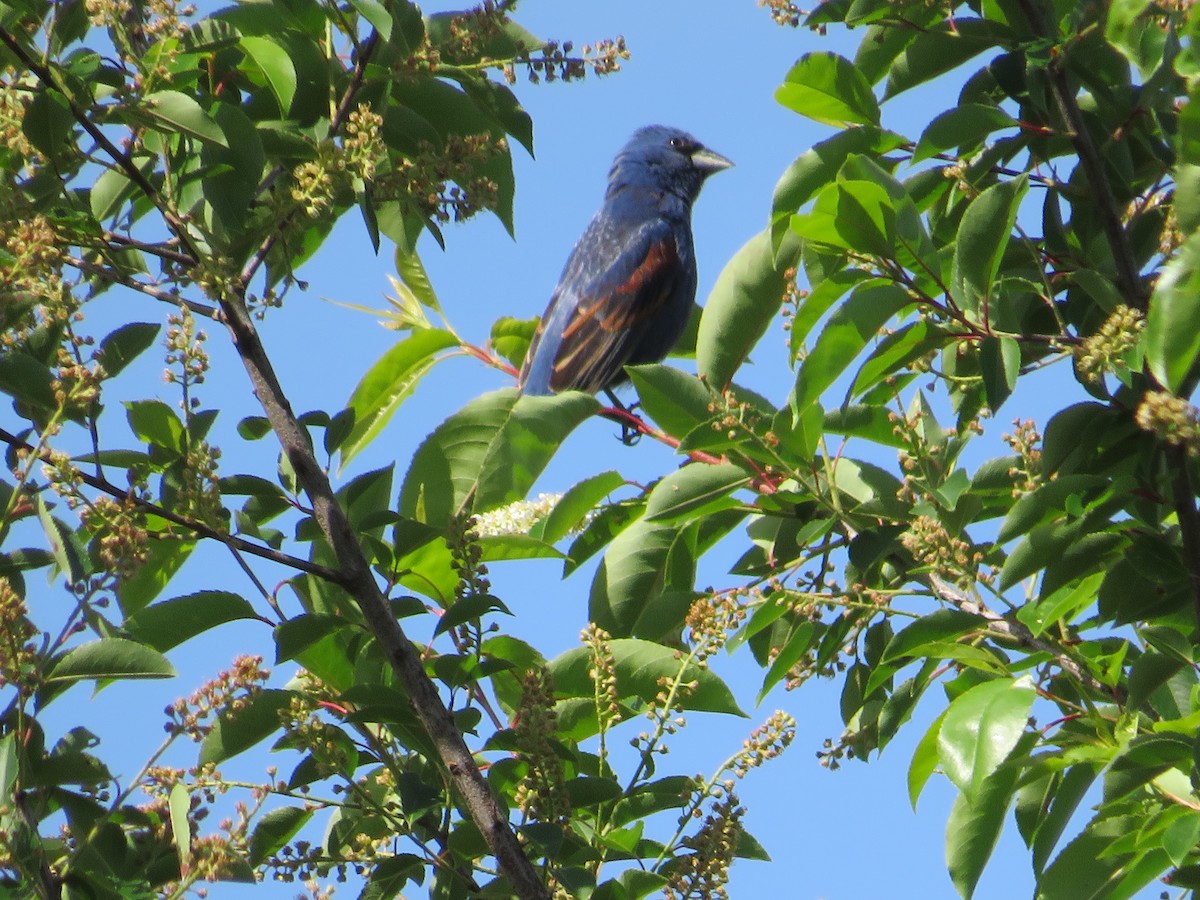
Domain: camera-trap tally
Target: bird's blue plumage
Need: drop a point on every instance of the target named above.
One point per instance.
(626, 292)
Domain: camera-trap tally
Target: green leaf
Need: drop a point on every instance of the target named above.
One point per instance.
(981, 728)
(155, 423)
(181, 829)
(124, 345)
(575, 505)
(1070, 793)
(297, 634)
(1050, 543)
(966, 126)
(111, 658)
(865, 218)
(244, 726)
(802, 638)
(1046, 503)
(818, 167)
(469, 609)
(676, 401)
(274, 829)
(694, 490)
(69, 553)
(165, 559)
(170, 623)
(925, 761)
(49, 124)
(181, 114)
(983, 236)
(638, 568)
(270, 60)
(1062, 605)
(1172, 335)
(937, 627)
(208, 35)
(828, 88)
(599, 531)
(26, 379)
(389, 382)
(852, 326)
(974, 825)
(943, 47)
(585, 791)
(999, 363)
(1125, 26)
(415, 279)
(1181, 837)
(366, 499)
(1084, 868)
(375, 13)
(489, 453)
(10, 766)
(110, 191)
(742, 304)
(894, 353)
(511, 338)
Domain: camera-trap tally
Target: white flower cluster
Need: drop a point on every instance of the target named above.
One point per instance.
(516, 518)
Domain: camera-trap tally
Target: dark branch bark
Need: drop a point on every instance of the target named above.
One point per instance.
(1183, 493)
(360, 584)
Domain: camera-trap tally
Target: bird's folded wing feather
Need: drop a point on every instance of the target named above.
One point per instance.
(601, 305)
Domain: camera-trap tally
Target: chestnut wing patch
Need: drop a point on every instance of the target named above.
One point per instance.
(601, 335)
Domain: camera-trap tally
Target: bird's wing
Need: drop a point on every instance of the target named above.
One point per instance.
(616, 282)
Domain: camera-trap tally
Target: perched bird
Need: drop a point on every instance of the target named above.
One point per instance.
(627, 290)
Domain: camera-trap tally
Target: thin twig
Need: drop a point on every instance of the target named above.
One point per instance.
(339, 117)
(158, 250)
(197, 528)
(135, 175)
(1128, 279)
(1017, 632)
(175, 299)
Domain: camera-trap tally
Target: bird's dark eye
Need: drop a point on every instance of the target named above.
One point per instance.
(683, 145)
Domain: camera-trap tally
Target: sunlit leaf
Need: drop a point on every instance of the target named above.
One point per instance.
(981, 728)
(111, 658)
(489, 453)
(827, 88)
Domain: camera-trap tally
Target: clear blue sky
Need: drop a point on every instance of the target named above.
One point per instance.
(710, 68)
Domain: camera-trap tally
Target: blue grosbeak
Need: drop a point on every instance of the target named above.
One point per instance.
(627, 290)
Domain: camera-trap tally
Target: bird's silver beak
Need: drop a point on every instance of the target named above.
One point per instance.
(709, 162)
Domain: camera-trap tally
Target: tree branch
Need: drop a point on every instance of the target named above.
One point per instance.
(1128, 272)
(358, 581)
(354, 573)
(1183, 494)
(361, 585)
(1129, 280)
(198, 528)
(1017, 632)
(141, 287)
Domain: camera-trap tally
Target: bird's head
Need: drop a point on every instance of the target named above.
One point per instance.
(666, 158)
